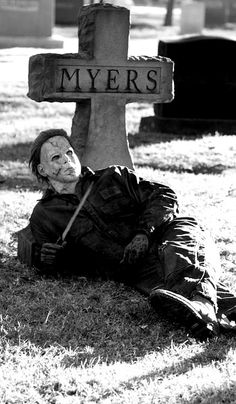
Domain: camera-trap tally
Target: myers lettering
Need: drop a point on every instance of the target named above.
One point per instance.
(69, 77)
(115, 80)
(131, 78)
(152, 80)
(111, 79)
(93, 77)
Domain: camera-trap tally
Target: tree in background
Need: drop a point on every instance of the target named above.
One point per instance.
(169, 12)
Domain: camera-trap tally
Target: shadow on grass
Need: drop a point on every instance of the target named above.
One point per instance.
(21, 151)
(142, 138)
(15, 172)
(108, 321)
(22, 183)
(182, 163)
(16, 178)
(194, 169)
(214, 351)
(94, 322)
(214, 395)
(14, 169)
(16, 152)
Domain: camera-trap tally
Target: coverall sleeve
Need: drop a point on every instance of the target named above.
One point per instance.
(41, 226)
(158, 203)
(45, 231)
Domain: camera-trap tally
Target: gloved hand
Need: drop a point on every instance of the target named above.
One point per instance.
(50, 253)
(136, 249)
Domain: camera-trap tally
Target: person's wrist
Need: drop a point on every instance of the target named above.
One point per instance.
(142, 234)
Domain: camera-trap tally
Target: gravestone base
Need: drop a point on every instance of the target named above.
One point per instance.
(186, 126)
(30, 42)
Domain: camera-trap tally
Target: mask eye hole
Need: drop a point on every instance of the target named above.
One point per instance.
(55, 157)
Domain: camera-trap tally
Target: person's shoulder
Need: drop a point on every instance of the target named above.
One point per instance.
(37, 213)
(47, 195)
(38, 208)
(113, 169)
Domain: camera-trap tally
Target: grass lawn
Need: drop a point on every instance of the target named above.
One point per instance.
(78, 340)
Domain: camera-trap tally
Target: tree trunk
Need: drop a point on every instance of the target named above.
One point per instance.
(169, 12)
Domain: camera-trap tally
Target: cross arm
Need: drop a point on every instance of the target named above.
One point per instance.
(71, 77)
(42, 74)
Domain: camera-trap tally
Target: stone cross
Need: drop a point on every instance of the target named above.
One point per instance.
(101, 79)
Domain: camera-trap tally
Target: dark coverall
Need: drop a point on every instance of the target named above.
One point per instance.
(181, 256)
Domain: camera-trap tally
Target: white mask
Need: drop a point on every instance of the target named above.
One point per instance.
(59, 163)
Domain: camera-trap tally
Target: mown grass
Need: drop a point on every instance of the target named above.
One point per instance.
(78, 340)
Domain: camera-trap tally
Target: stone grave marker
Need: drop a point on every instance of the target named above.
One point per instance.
(192, 17)
(27, 23)
(67, 11)
(231, 11)
(101, 79)
(216, 13)
(205, 87)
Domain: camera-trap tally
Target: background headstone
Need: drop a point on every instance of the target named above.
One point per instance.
(205, 87)
(232, 11)
(27, 23)
(67, 11)
(192, 17)
(216, 13)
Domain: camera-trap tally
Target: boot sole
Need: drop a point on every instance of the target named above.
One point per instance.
(182, 310)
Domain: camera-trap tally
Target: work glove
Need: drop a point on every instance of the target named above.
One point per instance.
(136, 249)
(50, 253)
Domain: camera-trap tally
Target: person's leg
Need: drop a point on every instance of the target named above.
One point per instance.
(190, 260)
(191, 267)
(226, 304)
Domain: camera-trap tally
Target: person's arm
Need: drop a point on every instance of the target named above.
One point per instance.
(157, 202)
(158, 205)
(50, 252)
(136, 249)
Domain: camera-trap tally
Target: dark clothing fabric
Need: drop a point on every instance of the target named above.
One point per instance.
(119, 206)
(181, 257)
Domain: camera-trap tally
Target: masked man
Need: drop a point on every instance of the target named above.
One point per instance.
(128, 230)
